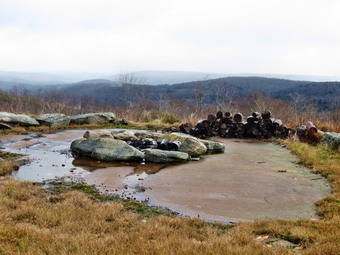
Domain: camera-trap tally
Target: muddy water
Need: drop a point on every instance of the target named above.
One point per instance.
(252, 180)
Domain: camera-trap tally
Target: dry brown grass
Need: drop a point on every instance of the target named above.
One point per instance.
(322, 159)
(7, 167)
(7, 162)
(33, 221)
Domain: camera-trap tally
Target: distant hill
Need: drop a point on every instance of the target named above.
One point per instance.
(322, 94)
(174, 77)
(152, 77)
(103, 90)
(46, 78)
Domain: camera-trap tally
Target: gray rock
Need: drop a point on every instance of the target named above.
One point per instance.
(213, 147)
(179, 137)
(331, 139)
(98, 134)
(283, 243)
(93, 118)
(122, 122)
(20, 119)
(193, 147)
(160, 156)
(143, 134)
(124, 135)
(5, 126)
(106, 149)
(190, 144)
(53, 119)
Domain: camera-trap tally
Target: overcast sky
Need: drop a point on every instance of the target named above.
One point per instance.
(109, 36)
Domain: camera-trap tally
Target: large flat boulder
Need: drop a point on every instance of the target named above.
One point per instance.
(93, 118)
(331, 139)
(53, 119)
(213, 147)
(160, 156)
(19, 119)
(106, 149)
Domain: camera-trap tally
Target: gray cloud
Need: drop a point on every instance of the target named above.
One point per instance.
(263, 36)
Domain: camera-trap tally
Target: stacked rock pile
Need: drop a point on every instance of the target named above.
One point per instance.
(256, 125)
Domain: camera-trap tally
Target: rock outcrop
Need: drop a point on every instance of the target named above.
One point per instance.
(160, 156)
(106, 149)
(19, 119)
(53, 119)
(93, 118)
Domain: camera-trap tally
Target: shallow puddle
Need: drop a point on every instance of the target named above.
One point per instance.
(251, 180)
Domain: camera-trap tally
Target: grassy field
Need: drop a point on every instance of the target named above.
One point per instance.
(77, 220)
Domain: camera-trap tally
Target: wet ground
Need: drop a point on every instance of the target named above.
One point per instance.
(251, 180)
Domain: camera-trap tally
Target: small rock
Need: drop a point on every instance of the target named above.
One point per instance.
(98, 134)
(5, 126)
(160, 156)
(125, 135)
(331, 139)
(193, 147)
(284, 243)
(195, 159)
(213, 147)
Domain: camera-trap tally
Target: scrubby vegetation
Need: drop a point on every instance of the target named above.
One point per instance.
(168, 111)
(77, 220)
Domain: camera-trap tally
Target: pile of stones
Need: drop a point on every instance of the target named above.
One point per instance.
(129, 145)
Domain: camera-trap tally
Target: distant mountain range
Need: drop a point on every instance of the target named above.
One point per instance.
(179, 85)
(152, 77)
(324, 95)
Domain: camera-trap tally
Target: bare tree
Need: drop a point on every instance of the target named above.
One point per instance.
(134, 87)
(223, 97)
(163, 102)
(298, 102)
(200, 94)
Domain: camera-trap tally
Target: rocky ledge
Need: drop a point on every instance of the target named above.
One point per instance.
(57, 119)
